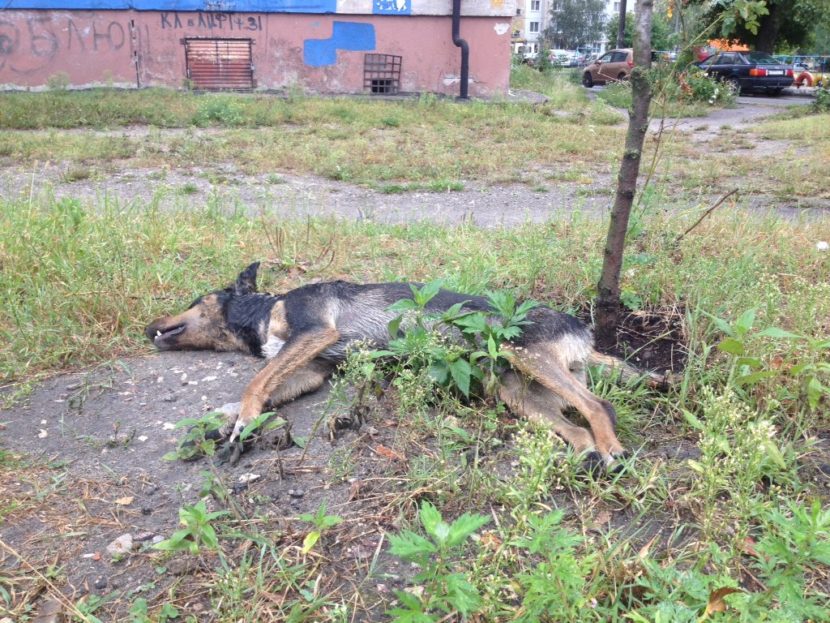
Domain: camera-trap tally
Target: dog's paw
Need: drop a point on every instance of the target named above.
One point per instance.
(597, 463)
(229, 453)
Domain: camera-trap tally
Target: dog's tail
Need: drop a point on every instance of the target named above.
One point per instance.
(627, 371)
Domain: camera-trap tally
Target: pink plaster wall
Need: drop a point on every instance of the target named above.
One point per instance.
(145, 49)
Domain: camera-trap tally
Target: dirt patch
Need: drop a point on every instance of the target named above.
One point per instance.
(92, 469)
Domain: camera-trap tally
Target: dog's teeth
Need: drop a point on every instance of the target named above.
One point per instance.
(158, 333)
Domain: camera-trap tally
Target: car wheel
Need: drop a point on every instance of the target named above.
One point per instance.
(734, 84)
(622, 76)
(587, 81)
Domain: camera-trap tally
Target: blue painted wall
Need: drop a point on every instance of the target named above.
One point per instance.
(237, 6)
(353, 36)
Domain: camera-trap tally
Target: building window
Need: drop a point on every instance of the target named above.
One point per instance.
(616, 7)
(518, 11)
(534, 27)
(534, 5)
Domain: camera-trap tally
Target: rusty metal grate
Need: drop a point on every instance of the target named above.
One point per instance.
(219, 64)
(382, 73)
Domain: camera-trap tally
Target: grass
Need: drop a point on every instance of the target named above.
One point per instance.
(102, 270)
(721, 513)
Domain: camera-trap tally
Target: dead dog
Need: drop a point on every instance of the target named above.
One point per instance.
(305, 333)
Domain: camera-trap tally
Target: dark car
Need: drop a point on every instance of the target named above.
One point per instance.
(749, 71)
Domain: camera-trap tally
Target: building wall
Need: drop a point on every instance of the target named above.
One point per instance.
(321, 52)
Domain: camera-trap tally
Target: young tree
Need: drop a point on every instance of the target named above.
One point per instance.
(662, 37)
(575, 22)
(608, 298)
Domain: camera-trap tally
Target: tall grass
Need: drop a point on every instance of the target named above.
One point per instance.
(79, 279)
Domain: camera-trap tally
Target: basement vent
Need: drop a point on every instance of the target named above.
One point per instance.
(219, 64)
(382, 73)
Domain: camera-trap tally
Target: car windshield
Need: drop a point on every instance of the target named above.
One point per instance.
(761, 58)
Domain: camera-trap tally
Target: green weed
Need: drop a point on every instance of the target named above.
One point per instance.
(443, 589)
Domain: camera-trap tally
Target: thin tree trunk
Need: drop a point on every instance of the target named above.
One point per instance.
(621, 27)
(608, 299)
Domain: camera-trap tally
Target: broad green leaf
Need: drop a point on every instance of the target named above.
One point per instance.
(439, 371)
(410, 546)
(394, 325)
(752, 362)
(427, 292)
(310, 541)
(732, 346)
(721, 324)
(780, 334)
(692, 420)
(755, 377)
(464, 526)
(402, 306)
(745, 321)
(255, 424)
(460, 371)
(492, 348)
(430, 516)
(461, 594)
(815, 390)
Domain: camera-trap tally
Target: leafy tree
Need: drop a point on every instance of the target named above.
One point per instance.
(575, 22)
(770, 24)
(662, 37)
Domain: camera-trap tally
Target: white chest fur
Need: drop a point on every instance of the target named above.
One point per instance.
(272, 347)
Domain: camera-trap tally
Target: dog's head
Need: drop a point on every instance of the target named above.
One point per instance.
(212, 322)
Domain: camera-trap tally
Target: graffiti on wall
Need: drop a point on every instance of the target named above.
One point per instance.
(211, 21)
(392, 7)
(39, 40)
(239, 6)
(353, 36)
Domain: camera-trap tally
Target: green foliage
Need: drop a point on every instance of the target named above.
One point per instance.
(555, 588)
(695, 85)
(140, 612)
(450, 365)
(575, 23)
(794, 544)
(822, 102)
(745, 13)
(196, 441)
(197, 533)
(321, 522)
(220, 110)
(808, 368)
(662, 34)
(739, 449)
(444, 589)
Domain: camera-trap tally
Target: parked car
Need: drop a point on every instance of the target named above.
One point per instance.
(749, 71)
(564, 58)
(611, 66)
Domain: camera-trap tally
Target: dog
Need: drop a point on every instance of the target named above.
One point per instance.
(306, 333)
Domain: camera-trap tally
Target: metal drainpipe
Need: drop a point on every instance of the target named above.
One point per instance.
(465, 48)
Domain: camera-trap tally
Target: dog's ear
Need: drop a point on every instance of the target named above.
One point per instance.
(246, 282)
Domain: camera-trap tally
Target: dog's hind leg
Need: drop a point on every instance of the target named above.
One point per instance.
(541, 406)
(544, 363)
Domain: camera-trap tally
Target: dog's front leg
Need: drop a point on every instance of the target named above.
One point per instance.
(299, 350)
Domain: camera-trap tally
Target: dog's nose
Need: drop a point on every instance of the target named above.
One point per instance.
(151, 330)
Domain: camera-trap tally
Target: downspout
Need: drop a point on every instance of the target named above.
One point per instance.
(465, 48)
